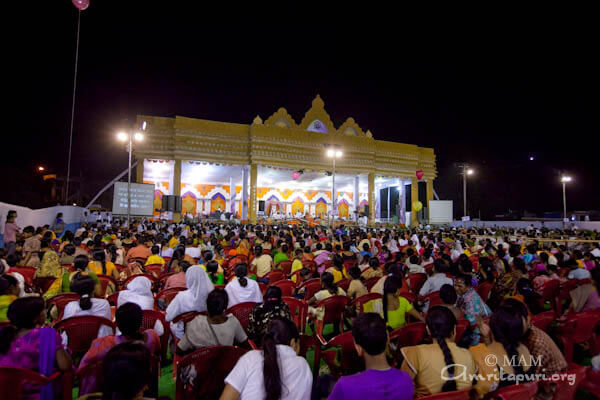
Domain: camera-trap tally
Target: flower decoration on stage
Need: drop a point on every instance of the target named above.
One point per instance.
(81, 4)
(420, 174)
(417, 206)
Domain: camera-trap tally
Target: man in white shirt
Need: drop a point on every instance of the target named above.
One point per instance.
(596, 251)
(437, 280)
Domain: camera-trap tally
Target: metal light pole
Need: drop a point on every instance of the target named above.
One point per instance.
(564, 181)
(465, 171)
(333, 153)
(129, 137)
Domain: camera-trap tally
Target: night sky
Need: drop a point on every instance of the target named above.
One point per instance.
(491, 93)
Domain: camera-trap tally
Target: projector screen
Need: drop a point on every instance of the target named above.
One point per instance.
(142, 199)
(440, 211)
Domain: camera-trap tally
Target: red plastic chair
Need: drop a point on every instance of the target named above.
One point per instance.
(564, 294)
(522, 391)
(242, 312)
(82, 331)
(428, 269)
(433, 298)
(334, 314)
(343, 284)
(566, 390)
(456, 395)
(60, 301)
(311, 287)
(543, 320)
(349, 361)
(591, 383)
(113, 299)
(13, 380)
(105, 280)
(43, 283)
(27, 272)
(415, 282)
(577, 328)
(275, 275)
(411, 297)
(349, 263)
(263, 288)
(306, 342)
(484, 289)
(359, 302)
(132, 277)
(285, 266)
(149, 318)
(186, 316)
(298, 311)
(167, 295)
(162, 279)
(212, 365)
(310, 265)
(550, 292)
(369, 283)
(409, 335)
(461, 327)
(154, 268)
(287, 287)
(299, 278)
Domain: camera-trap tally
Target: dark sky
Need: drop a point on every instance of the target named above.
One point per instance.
(490, 91)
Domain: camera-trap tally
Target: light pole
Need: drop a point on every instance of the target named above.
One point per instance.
(333, 152)
(465, 171)
(129, 137)
(564, 179)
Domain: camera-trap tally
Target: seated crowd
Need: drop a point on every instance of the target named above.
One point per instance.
(425, 311)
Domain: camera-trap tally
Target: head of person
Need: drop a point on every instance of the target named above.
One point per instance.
(216, 302)
(280, 331)
(519, 265)
(508, 328)
(441, 325)
(463, 283)
(439, 266)
(414, 259)
(391, 288)
(9, 286)
(338, 262)
(241, 271)
(370, 335)
(298, 253)
(84, 286)
(258, 250)
(28, 231)
(155, 250)
(365, 247)
(273, 294)
(327, 283)
(374, 263)
(448, 294)
(355, 272)
(23, 313)
(129, 320)
(519, 308)
(126, 371)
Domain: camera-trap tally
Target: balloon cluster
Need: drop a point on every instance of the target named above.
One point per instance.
(81, 4)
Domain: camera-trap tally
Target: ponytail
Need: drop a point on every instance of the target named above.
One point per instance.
(241, 270)
(441, 323)
(271, 373)
(391, 285)
(85, 302)
(84, 286)
(450, 384)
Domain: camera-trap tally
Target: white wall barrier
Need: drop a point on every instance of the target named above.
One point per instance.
(583, 225)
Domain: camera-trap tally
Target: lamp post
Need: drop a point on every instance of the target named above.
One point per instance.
(465, 171)
(333, 152)
(564, 179)
(129, 137)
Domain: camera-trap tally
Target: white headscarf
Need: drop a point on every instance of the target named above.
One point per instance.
(194, 298)
(139, 291)
(21, 282)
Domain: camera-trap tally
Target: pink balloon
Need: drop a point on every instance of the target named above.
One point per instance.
(420, 174)
(295, 175)
(81, 4)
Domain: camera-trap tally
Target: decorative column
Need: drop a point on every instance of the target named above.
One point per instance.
(414, 195)
(356, 195)
(253, 199)
(371, 198)
(177, 186)
(244, 212)
(139, 171)
(429, 195)
(231, 196)
(402, 216)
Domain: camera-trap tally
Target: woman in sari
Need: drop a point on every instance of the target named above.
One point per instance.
(129, 322)
(26, 345)
(9, 292)
(49, 267)
(585, 296)
(63, 283)
(243, 246)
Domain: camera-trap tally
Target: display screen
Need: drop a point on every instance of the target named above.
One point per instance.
(142, 199)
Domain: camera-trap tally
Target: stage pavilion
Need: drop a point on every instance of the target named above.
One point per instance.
(280, 168)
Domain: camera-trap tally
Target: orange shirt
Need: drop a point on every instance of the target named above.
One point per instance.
(139, 251)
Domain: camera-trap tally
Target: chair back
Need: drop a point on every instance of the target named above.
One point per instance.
(212, 365)
(298, 311)
(82, 330)
(242, 312)
(566, 390)
(132, 277)
(307, 342)
(287, 287)
(113, 299)
(105, 280)
(484, 289)
(43, 283)
(543, 320)
(285, 266)
(344, 284)
(310, 265)
(60, 301)
(27, 272)
(311, 287)
(186, 316)
(410, 296)
(416, 281)
(369, 283)
(167, 295)
(550, 292)
(13, 380)
(334, 308)
(149, 318)
(456, 395)
(522, 391)
(359, 302)
(434, 298)
(461, 327)
(409, 335)
(349, 361)
(275, 275)
(154, 268)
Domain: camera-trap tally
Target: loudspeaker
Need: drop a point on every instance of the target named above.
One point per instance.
(366, 209)
(261, 205)
(171, 203)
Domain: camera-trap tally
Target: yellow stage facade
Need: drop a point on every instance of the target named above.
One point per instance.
(279, 166)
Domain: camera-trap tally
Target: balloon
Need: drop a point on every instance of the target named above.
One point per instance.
(81, 4)
(295, 175)
(420, 174)
(417, 206)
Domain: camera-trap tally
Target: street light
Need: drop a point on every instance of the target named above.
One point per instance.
(564, 179)
(130, 137)
(465, 171)
(41, 168)
(333, 152)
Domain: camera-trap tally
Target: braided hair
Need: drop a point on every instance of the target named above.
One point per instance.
(441, 323)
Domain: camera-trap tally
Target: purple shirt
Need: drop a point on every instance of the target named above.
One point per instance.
(10, 232)
(374, 384)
